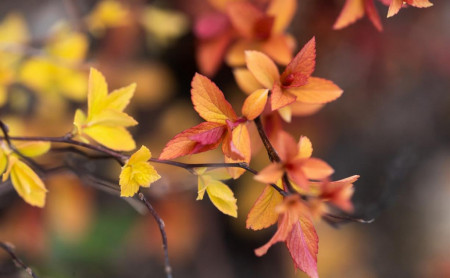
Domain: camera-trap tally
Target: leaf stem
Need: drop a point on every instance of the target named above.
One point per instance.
(8, 248)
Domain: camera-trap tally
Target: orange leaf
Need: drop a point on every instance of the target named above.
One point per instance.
(286, 146)
(280, 98)
(395, 6)
(255, 103)
(279, 48)
(305, 148)
(318, 90)
(241, 140)
(303, 245)
(316, 169)
(199, 138)
(305, 109)
(209, 101)
(262, 67)
(352, 11)
(304, 62)
(270, 174)
(263, 213)
(243, 17)
(283, 11)
(246, 81)
(210, 53)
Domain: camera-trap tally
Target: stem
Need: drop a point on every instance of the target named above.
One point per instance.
(273, 155)
(8, 248)
(161, 225)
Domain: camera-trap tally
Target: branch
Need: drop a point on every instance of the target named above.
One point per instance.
(273, 155)
(8, 248)
(161, 225)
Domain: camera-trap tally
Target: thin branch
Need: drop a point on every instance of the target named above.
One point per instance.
(168, 268)
(273, 155)
(8, 248)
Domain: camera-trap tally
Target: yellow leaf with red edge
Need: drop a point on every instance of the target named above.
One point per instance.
(190, 140)
(352, 11)
(303, 245)
(316, 91)
(262, 67)
(32, 148)
(209, 101)
(137, 172)
(219, 193)
(280, 98)
(255, 103)
(263, 213)
(26, 182)
(241, 141)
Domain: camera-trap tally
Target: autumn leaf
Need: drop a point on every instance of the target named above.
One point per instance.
(254, 104)
(219, 193)
(263, 213)
(396, 5)
(105, 121)
(107, 14)
(26, 182)
(137, 172)
(354, 10)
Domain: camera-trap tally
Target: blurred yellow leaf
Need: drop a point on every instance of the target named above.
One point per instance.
(33, 148)
(107, 14)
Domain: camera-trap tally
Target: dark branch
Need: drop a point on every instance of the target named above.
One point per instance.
(8, 248)
(273, 155)
(161, 225)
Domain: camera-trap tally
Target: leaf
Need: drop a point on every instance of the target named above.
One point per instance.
(262, 68)
(305, 148)
(316, 169)
(209, 101)
(279, 47)
(27, 183)
(210, 53)
(270, 174)
(246, 81)
(263, 213)
(222, 197)
(3, 161)
(183, 144)
(109, 117)
(219, 193)
(283, 11)
(303, 245)
(241, 140)
(304, 62)
(33, 148)
(317, 90)
(137, 172)
(372, 13)
(280, 98)
(352, 11)
(97, 92)
(113, 137)
(254, 104)
(120, 98)
(244, 16)
(394, 8)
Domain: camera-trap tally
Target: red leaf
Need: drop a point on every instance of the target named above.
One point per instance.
(183, 144)
(304, 62)
(303, 245)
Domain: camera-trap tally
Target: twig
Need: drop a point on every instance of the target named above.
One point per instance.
(8, 248)
(273, 155)
(168, 268)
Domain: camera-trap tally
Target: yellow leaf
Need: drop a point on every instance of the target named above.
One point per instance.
(107, 14)
(221, 196)
(263, 213)
(262, 68)
(201, 187)
(120, 98)
(32, 149)
(255, 103)
(67, 45)
(13, 29)
(109, 117)
(305, 148)
(97, 92)
(137, 172)
(285, 113)
(27, 184)
(116, 138)
(3, 161)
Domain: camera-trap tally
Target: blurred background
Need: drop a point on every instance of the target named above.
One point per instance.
(391, 126)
